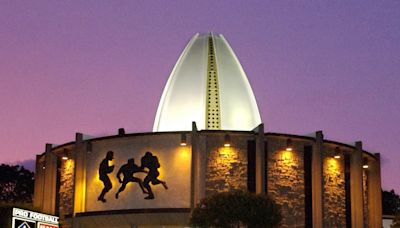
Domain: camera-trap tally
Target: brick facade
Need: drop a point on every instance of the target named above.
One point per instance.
(66, 190)
(365, 197)
(226, 166)
(286, 181)
(334, 194)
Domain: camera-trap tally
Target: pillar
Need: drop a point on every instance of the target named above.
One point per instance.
(80, 173)
(198, 175)
(39, 185)
(260, 160)
(50, 181)
(356, 187)
(317, 202)
(374, 192)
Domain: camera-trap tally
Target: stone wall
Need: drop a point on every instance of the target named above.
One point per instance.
(226, 166)
(66, 190)
(334, 194)
(365, 197)
(285, 181)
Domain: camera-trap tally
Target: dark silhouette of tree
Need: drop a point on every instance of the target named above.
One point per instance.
(390, 203)
(236, 209)
(16, 184)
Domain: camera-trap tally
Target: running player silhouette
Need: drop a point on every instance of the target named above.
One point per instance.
(151, 163)
(128, 170)
(105, 169)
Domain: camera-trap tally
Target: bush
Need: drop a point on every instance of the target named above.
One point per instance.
(236, 209)
(396, 222)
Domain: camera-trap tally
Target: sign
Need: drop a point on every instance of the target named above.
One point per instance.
(31, 219)
(44, 225)
(20, 223)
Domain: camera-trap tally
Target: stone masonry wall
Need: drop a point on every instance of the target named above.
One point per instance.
(66, 190)
(334, 194)
(285, 181)
(226, 166)
(365, 197)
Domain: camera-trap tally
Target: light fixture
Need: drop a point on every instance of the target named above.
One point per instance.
(365, 163)
(227, 141)
(64, 155)
(337, 153)
(183, 139)
(289, 145)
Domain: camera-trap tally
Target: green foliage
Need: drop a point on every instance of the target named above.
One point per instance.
(396, 222)
(16, 184)
(236, 209)
(6, 211)
(390, 203)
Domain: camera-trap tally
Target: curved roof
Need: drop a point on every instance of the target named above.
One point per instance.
(207, 86)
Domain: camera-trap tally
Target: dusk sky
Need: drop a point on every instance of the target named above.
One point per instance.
(96, 66)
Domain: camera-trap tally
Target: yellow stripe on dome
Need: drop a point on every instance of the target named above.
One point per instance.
(213, 118)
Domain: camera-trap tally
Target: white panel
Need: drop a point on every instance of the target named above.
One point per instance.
(183, 99)
(238, 105)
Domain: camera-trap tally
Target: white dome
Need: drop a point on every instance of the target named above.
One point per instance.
(207, 86)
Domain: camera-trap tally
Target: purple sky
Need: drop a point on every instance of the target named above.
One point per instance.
(96, 66)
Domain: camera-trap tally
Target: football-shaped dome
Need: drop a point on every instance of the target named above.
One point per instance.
(207, 86)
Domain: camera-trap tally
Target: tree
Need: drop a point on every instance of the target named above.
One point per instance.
(390, 203)
(16, 184)
(236, 209)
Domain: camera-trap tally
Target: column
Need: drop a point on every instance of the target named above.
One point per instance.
(260, 160)
(374, 192)
(356, 189)
(198, 175)
(50, 180)
(317, 203)
(39, 185)
(80, 173)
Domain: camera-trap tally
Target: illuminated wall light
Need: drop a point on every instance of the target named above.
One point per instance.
(227, 141)
(289, 145)
(64, 155)
(183, 139)
(337, 153)
(365, 164)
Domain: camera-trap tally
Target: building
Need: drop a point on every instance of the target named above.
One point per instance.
(208, 137)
